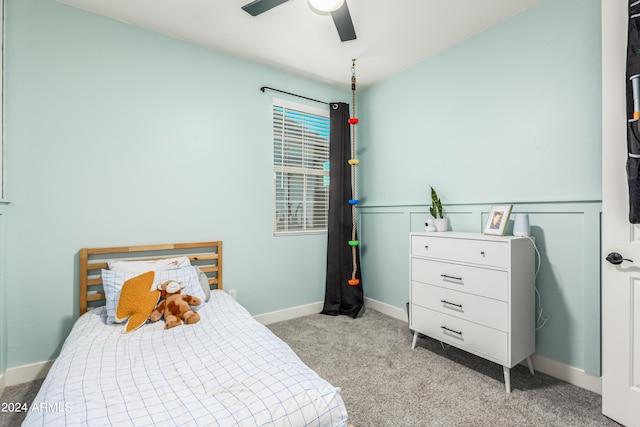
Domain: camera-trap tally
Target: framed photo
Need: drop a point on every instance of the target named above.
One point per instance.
(498, 220)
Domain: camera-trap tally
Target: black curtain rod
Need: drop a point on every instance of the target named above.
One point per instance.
(263, 88)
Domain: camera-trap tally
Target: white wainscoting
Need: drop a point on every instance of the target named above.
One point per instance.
(4, 344)
(567, 234)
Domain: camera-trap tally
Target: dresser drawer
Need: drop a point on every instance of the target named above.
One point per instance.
(474, 280)
(484, 311)
(481, 252)
(477, 339)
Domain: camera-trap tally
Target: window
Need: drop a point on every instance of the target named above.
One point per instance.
(300, 168)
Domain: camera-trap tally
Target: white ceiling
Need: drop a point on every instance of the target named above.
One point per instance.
(392, 34)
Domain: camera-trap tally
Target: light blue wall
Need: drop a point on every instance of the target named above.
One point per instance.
(510, 116)
(115, 135)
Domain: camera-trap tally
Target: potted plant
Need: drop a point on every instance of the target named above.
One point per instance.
(439, 221)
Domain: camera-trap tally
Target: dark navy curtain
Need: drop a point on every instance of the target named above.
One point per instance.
(340, 296)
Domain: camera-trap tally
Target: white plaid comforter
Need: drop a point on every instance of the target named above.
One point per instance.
(226, 370)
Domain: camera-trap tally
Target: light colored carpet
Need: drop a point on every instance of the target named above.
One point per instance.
(18, 394)
(386, 383)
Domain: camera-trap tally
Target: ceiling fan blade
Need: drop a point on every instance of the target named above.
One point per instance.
(259, 6)
(344, 24)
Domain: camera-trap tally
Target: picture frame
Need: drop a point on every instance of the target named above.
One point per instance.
(498, 220)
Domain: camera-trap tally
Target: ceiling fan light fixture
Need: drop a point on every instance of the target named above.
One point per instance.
(326, 5)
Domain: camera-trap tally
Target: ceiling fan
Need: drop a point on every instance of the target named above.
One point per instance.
(338, 9)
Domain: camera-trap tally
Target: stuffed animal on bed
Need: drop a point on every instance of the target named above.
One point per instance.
(175, 305)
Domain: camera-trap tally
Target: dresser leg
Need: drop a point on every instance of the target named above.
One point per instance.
(530, 364)
(415, 339)
(507, 378)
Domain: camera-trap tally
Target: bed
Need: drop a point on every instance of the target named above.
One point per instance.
(225, 370)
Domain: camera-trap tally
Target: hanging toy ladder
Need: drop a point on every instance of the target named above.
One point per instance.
(353, 162)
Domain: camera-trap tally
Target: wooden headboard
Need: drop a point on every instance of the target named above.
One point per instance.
(205, 255)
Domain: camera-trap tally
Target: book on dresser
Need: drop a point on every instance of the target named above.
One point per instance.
(475, 292)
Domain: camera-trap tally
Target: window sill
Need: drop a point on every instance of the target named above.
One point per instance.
(299, 233)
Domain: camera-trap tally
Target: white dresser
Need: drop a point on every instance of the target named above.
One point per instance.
(475, 292)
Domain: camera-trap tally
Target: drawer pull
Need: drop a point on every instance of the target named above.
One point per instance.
(426, 247)
(444, 301)
(451, 330)
(451, 277)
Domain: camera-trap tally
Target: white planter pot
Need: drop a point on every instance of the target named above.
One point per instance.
(441, 224)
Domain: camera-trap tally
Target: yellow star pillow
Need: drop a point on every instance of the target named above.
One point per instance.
(137, 301)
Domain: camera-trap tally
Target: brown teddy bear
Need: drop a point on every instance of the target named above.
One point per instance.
(175, 305)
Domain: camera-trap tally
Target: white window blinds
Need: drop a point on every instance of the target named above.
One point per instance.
(300, 168)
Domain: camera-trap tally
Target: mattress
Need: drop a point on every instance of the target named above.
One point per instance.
(226, 370)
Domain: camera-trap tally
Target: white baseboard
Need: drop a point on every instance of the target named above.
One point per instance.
(575, 376)
(3, 383)
(26, 373)
(289, 313)
(316, 307)
(384, 308)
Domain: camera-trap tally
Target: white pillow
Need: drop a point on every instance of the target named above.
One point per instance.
(144, 266)
(204, 283)
(112, 282)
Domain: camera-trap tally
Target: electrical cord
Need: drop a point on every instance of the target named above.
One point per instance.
(542, 317)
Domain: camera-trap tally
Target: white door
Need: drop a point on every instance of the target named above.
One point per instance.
(620, 283)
